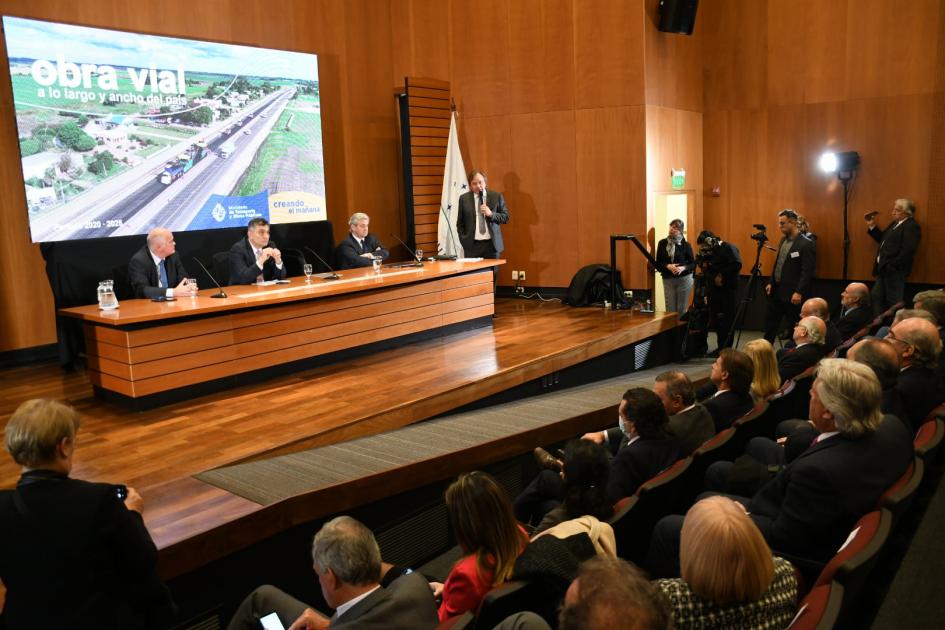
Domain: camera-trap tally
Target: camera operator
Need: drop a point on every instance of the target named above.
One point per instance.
(721, 263)
(791, 277)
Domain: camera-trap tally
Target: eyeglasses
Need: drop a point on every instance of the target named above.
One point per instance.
(892, 337)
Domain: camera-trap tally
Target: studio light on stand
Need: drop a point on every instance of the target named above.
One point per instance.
(844, 164)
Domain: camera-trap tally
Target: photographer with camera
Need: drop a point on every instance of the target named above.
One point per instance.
(720, 263)
(791, 277)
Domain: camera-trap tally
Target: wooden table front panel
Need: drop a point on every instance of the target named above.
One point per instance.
(166, 356)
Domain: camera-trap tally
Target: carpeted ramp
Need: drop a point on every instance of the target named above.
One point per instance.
(273, 480)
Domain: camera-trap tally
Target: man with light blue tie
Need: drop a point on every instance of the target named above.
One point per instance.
(156, 270)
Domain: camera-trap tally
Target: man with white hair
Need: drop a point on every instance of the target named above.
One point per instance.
(347, 562)
(809, 335)
(897, 246)
(156, 270)
(360, 247)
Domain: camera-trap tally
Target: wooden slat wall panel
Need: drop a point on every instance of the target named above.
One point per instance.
(429, 117)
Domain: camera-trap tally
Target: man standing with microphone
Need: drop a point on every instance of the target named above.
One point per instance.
(478, 221)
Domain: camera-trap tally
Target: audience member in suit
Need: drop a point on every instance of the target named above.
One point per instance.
(791, 277)
(689, 422)
(74, 554)
(360, 247)
(920, 385)
(156, 270)
(479, 219)
(855, 310)
(584, 472)
(808, 349)
(809, 507)
(882, 357)
(936, 306)
(728, 575)
(675, 262)
(256, 258)
(897, 246)
(766, 380)
(817, 307)
(491, 540)
(732, 374)
(347, 562)
(642, 448)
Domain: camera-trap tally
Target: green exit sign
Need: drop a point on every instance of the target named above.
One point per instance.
(677, 178)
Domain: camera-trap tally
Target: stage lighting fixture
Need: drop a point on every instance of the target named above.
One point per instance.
(843, 162)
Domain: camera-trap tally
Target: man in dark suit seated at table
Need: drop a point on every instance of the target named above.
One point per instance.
(809, 507)
(732, 374)
(855, 310)
(347, 562)
(808, 348)
(256, 258)
(360, 247)
(156, 270)
(920, 385)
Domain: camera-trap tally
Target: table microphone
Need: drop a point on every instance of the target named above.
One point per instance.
(418, 262)
(333, 276)
(222, 293)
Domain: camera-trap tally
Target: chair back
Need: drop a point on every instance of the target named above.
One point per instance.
(466, 620)
(634, 521)
(820, 610)
(508, 599)
(928, 439)
(898, 497)
(221, 267)
(123, 290)
(756, 423)
(716, 449)
(851, 565)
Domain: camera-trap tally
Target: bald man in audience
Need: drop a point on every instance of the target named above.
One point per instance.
(809, 334)
(920, 386)
(817, 307)
(855, 310)
(156, 270)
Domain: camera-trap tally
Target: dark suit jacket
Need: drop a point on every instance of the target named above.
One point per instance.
(406, 603)
(691, 428)
(809, 508)
(797, 360)
(798, 270)
(831, 341)
(348, 253)
(728, 407)
(853, 321)
(637, 462)
(467, 215)
(727, 261)
(143, 274)
(80, 559)
(920, 390)
(243, 267)
(896, 247)
(682, 255)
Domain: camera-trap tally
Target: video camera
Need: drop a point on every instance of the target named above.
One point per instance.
(761, 235)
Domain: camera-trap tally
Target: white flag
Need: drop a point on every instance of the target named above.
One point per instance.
(454, 185)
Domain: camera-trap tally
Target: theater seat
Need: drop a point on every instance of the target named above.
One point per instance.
(466, 620)
(851, 565)
(928, 439)
(508, 599)
(820, 609)
(898, 496)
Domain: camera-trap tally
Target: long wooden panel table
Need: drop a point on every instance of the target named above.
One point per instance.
(145, 348)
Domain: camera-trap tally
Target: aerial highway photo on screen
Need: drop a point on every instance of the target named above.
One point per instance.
(122, 132)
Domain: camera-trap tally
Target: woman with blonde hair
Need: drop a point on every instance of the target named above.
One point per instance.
(729, 577)
(766, 380)
(489, 536)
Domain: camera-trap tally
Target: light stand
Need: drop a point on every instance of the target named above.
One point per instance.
(845, 177)
(844, 164)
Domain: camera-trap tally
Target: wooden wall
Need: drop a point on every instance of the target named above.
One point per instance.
(786, 79)
(576, 109)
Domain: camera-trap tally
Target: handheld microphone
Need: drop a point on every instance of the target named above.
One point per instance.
(222, 293)
(333, 276)
(418, 263)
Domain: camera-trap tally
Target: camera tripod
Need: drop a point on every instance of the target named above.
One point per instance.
(747, 298)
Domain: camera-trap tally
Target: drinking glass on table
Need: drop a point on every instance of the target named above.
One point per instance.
(376, 262)
(419, 255)
(192, 285)
(307, 270)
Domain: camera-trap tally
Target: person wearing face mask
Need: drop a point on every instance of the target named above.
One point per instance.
(675, 263)
(646, 447)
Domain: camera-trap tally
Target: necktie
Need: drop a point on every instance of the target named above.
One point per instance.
(258, 253)
(162, 275)
(480, 220)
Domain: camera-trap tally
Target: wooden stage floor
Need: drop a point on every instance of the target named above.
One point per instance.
(157, 451)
